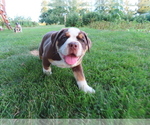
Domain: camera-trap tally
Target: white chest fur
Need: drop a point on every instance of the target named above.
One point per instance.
(61, 64)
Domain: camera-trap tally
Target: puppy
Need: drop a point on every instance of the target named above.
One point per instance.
(18, 28)
(65, 49)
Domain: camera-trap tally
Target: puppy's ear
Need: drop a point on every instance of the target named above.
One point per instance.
(56, 35)
(88, 41)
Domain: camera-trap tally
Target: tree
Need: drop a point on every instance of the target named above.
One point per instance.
(112, 9)
(144, 6)
(44, 6)
(79, 6)
(59, 8)
(108, 5)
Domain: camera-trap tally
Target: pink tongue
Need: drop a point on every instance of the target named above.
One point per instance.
(70, 59)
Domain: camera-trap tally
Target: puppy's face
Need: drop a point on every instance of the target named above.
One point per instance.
(72, 45)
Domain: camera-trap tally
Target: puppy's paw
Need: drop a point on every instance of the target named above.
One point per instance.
(47, 72)
(88, 89)
(85, 87)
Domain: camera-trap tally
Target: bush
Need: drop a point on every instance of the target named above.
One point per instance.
(90, 17)
(140, 19)
(74, 20)
(24, 22)
(148, 17)
(51, 19)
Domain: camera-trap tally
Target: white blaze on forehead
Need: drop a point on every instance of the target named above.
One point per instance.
(74, 32)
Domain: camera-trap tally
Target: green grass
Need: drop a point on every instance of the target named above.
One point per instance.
(117, 67)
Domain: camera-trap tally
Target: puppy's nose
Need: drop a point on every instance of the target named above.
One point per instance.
(73, 45)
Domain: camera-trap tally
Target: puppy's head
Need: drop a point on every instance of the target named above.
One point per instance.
(71, 44)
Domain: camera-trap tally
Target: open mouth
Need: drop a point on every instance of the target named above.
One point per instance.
(71, 59)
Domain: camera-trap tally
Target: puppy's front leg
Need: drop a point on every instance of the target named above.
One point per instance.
(81, 82)
(46, 67)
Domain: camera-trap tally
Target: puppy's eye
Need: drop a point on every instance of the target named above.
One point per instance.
(64, 38)
(82, 40)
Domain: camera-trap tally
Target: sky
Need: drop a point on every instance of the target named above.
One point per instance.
(25, 8)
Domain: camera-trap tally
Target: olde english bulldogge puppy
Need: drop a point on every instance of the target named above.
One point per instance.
(66, 48)
(18, 28)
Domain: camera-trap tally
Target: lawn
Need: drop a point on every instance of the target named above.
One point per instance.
(117, 67)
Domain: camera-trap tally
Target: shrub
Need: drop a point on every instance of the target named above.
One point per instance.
(90, 17)
(25, 22)
(53, 19)
(140, 19)
(148, 17)
(116, 15)
(73, 20)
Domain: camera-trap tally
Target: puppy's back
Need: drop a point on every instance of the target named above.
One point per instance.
(46, 39)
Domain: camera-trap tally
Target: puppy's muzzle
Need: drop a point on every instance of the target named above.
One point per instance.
(73, 47)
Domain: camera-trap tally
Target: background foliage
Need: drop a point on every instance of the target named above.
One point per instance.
(80, 13)
(25, 22)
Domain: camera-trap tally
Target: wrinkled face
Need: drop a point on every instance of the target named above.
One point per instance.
(72, 45)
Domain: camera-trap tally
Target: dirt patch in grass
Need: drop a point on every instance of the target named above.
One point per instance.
(35, 52)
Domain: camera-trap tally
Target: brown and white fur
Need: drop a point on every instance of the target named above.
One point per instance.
(66, 48)
(18, 28)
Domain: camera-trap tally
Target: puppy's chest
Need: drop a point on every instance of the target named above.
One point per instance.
(60, 63)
